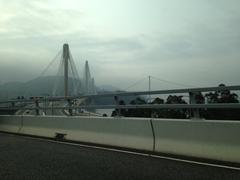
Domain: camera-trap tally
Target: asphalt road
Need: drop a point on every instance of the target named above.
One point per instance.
(28, 158)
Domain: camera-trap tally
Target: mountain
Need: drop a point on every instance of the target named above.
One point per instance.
(103, 88)
(36, 87)
(41, 86)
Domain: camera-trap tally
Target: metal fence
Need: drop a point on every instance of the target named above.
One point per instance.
(66, 103)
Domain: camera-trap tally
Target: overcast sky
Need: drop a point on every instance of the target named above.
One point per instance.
(192, 42)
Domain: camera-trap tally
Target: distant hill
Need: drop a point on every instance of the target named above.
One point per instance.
(41, 86)
(103, 88)
(36, 87)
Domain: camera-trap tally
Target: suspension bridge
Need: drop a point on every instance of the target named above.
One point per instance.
(51, 136)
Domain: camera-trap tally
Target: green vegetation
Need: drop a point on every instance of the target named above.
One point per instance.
(224, 96)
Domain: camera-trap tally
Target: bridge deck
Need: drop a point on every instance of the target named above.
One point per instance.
(29, 158)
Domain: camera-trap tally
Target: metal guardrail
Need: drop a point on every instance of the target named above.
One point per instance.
(40, 103)
(173, 91)
(136, 93)
(147, 106)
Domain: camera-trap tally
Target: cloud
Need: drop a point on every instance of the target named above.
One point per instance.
(37, 18)
(180, 41)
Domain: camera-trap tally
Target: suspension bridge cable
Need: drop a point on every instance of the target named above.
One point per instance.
(172, 82)
(135, 83)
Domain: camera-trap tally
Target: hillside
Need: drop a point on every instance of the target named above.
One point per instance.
(42, 86)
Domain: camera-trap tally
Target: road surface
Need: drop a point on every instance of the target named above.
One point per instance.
(32, 158)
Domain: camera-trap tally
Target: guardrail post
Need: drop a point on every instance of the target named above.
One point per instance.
(118, 110)
(70, 107)
(194, 113)
(51, 107)
(45, 105)
(37, 107)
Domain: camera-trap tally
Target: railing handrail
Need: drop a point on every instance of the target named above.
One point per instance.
(171, 91)
(145, 106)
(135, 93)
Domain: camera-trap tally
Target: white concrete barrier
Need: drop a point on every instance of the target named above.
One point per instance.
(11, 124)
(217, 140)
(45, 126)
(131, 133)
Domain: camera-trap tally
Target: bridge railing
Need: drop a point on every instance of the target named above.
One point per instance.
(40, 103)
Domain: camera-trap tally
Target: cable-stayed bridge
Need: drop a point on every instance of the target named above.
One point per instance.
(69, 82)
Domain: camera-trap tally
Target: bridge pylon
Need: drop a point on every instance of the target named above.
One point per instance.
(66, 59)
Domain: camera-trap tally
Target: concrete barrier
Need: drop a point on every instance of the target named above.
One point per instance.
(217, 140)
(130, 133)
(11, 124)
(45, 126)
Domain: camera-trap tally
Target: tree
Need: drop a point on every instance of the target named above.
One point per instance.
(222, 96)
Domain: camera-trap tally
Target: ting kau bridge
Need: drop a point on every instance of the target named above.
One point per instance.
(86, 145)
(67, 69)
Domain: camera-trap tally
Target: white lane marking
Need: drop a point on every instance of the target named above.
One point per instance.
(135, 153)
(197, 162)
(151, 155)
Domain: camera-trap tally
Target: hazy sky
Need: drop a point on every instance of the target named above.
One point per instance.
(195, 42)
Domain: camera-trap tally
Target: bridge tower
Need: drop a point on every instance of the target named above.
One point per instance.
(71, 78)
(88, 81)
(87, 77)
(66, 59)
